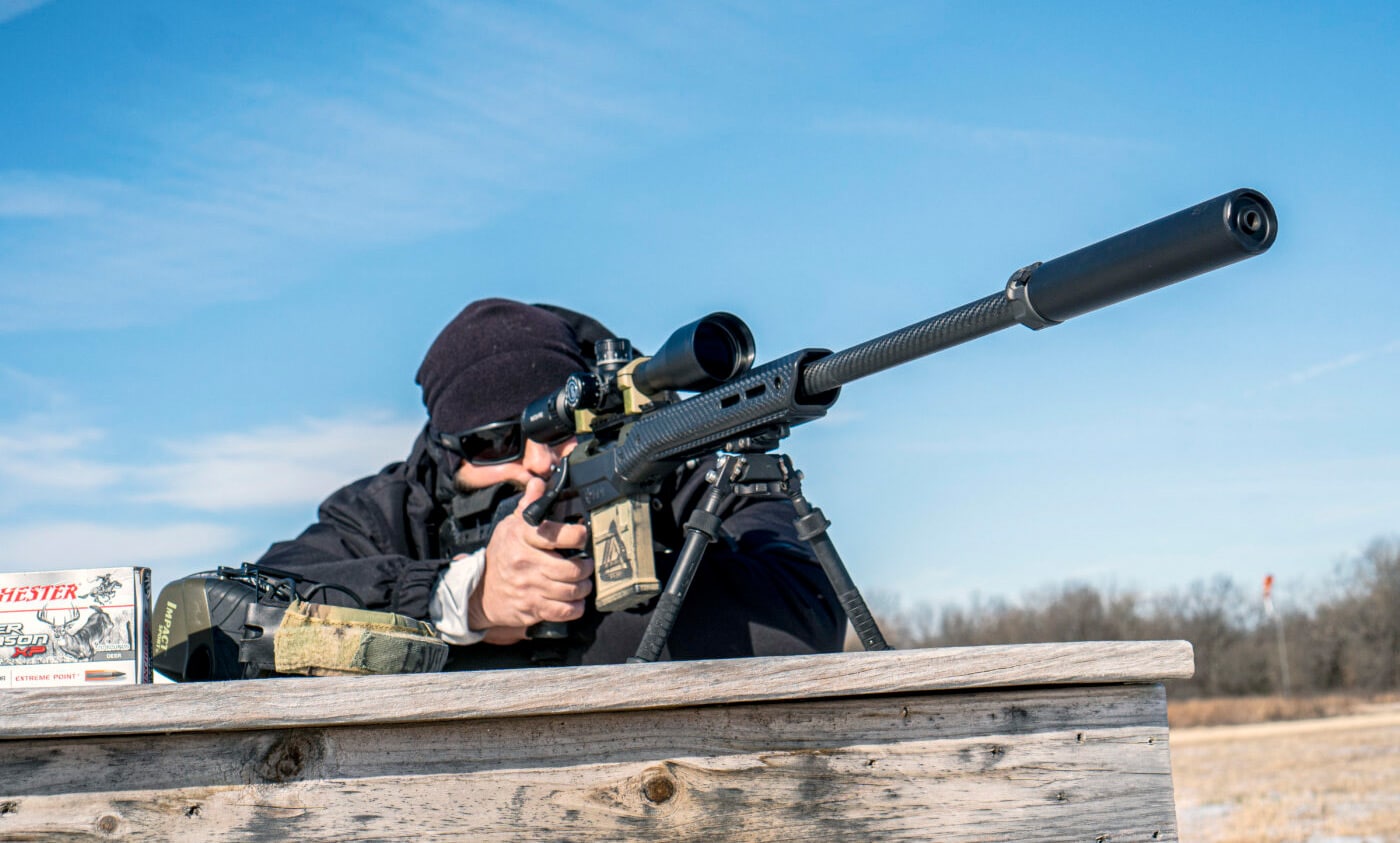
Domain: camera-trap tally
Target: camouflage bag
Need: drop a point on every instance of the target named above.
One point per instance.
(315, 639)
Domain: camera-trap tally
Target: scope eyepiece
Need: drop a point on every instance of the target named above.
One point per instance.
(699, 356)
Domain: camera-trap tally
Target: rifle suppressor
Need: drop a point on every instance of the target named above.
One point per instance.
(1229, 228)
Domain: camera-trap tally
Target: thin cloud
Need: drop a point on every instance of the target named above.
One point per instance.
(1325, 368)
(52, 459)
(77, 544)
(40, 466)
(11, 9)
(23, 392)
(928, 129)
(274, 467)
(45, 451)
(27, 195)
(45, 461)
(448, 126)
(1344, 362)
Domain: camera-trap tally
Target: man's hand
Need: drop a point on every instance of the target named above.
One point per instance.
(525, 580)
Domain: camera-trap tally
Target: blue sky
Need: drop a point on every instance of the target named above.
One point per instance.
(228, 232)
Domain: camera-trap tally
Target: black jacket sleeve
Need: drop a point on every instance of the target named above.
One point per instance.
(372, 537)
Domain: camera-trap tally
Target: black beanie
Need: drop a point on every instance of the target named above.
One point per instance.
(490, 361)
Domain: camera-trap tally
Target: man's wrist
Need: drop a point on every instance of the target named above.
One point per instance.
(450, 606)
(476, 614)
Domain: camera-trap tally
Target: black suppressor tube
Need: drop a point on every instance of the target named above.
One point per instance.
(1213, 234)
(1229, 228)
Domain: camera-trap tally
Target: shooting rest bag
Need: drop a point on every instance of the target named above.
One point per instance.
(319, 640)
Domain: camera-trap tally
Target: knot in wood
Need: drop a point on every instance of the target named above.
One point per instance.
(658, 788)
(107, 824)
(289, 757)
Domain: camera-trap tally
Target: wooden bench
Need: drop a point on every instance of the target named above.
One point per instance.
(1038, 741)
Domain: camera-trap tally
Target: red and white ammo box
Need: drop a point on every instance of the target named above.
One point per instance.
(83, 627)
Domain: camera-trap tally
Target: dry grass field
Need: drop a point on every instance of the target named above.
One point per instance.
(1234, 711)
(1333, 778)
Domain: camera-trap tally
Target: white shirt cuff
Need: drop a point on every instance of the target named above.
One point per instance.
(448, 607)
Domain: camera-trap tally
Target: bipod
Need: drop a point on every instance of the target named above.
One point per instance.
(741, 475)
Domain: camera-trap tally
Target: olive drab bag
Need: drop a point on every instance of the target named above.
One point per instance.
(249, 622)
(315, 639)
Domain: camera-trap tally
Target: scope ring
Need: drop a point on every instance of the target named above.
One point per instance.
(1021, 306)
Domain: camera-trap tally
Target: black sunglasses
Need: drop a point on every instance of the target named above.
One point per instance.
(491, 444)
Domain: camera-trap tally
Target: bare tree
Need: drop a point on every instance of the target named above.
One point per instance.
(1345, 637)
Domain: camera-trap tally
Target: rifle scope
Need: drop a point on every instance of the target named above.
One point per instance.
(704, 354)
(1229, 228)
(699, 356)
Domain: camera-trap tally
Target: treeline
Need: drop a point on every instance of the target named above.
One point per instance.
(1344, 637)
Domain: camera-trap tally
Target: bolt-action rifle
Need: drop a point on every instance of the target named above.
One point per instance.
(634, 430)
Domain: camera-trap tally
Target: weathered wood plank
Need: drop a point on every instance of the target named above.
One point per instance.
(64, 765)
(55, 712)
(1050, 764)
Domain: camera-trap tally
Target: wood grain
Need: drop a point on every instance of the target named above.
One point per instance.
(1069, 763)
(271, 703)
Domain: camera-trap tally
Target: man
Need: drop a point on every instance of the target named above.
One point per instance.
(441, 537)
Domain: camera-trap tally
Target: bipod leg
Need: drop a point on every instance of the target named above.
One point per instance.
(811, 527)
(701, 528)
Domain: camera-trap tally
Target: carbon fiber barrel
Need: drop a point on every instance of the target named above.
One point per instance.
(973, 320)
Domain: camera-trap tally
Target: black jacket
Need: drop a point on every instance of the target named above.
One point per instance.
(758, 591)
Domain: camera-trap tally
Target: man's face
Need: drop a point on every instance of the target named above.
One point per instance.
(537, 461)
